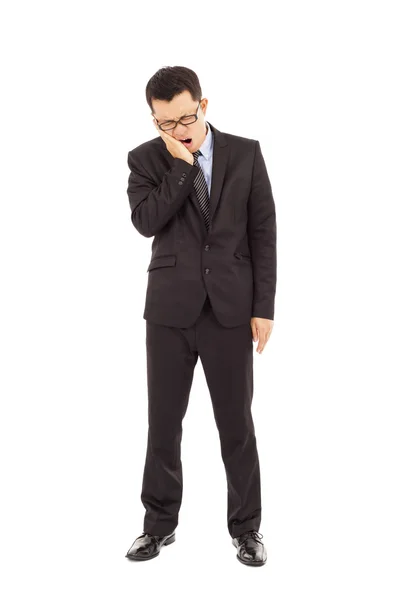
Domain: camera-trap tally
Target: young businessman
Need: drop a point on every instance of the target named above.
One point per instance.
(206, 198)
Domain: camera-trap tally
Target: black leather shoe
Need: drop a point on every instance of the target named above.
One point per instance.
(251, 550)
(148, 546)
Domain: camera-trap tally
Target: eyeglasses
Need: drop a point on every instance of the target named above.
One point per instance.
(186, 120)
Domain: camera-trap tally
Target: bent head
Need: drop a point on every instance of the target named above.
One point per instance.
(174, 96)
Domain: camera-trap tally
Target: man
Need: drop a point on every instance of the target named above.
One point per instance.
(211, 288)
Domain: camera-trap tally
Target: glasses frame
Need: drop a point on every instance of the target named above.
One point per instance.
(179, 120)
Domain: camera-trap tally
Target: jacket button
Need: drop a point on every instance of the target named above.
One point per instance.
(183, 174)
(207, 247)
(206, 271)
(180, 183)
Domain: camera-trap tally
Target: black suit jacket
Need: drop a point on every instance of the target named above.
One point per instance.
(235, 262)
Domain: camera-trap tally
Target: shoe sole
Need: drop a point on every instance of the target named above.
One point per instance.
(253, 563)
(167, 542)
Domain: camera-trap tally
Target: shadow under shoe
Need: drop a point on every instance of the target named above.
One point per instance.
(148, 546)
(251, 550)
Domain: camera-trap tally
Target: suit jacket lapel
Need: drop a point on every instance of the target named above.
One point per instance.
(220, 160)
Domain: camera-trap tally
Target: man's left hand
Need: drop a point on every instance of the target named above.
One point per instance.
(261, 330)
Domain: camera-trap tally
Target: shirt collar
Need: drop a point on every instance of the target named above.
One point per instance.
(206, 147)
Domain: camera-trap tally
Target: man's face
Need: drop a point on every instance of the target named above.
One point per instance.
(181, 105)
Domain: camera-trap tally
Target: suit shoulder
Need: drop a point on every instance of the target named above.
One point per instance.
(146, 148)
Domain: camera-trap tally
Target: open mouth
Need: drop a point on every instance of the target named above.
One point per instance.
(187, 142)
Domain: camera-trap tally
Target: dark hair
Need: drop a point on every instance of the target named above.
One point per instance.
(171, 81)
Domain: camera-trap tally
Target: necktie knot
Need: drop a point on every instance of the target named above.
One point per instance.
(196, 154)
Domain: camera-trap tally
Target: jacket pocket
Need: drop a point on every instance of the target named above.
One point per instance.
(244, 256)
(167, 260)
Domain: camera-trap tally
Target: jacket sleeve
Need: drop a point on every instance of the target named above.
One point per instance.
(261, 231)
(152, 205)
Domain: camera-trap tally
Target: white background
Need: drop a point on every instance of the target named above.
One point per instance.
(317, 84)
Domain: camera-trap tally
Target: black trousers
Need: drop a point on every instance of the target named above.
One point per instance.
(227, 358)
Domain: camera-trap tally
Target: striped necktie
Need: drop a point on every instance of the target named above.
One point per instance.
(201, 188)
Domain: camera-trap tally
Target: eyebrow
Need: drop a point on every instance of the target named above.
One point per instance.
(184, 115)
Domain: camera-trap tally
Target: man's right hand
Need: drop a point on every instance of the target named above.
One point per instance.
(174, 146)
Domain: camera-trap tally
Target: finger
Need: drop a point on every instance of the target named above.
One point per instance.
(262, 342)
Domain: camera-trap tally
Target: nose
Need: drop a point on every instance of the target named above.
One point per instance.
(180, 132)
